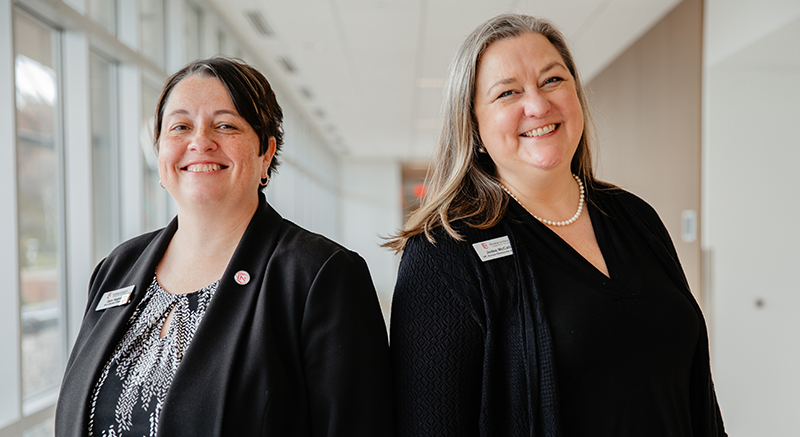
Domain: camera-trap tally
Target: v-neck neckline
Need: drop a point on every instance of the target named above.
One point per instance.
(624, 271)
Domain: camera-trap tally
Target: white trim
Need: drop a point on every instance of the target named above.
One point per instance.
(78, 179)
(10, 380)
(174, 34)
(130, 115)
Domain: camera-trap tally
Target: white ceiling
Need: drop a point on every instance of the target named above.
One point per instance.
(369, 72)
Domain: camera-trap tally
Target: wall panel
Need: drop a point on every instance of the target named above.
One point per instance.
(648, 106)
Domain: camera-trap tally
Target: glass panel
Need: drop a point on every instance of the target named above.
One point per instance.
(191, 32)
(155, 197)
(105, 167)
(151, 30)
(103, 12)
(39, 194)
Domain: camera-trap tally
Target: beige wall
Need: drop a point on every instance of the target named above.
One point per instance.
(648, 113)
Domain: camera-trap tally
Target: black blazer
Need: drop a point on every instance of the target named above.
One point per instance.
(300, 350)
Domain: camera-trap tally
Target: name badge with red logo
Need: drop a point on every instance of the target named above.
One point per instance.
(115, 298)
(493, 249)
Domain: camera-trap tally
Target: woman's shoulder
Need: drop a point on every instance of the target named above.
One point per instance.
(284, 238)
(605, 194)
(440, 246)
(140, 251)
(312, 247)
(439, 238)
(128, 251)
(634, 209)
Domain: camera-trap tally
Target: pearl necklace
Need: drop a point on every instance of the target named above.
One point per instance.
(550, 222)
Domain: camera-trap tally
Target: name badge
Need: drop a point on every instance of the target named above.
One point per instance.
(493, 249)
(115, 298)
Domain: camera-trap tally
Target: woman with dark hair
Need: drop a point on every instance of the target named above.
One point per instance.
(231, 321)
(533, 299)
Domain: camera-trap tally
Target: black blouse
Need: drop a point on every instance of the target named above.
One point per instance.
(130, 394)
(623, 344)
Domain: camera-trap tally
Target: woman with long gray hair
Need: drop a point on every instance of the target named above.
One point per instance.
(533, 299)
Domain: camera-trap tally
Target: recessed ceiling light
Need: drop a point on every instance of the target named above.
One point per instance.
(260, 23)
(287, 65)
(306, 93)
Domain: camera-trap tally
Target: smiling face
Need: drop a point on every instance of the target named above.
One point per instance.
(527, 109)
(208, 153)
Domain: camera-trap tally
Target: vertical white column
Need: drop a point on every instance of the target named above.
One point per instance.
(131, 160)
(174, 34)
(78, 178)
(10, 395)
(129, 85)
(209, 29)
(127, 23)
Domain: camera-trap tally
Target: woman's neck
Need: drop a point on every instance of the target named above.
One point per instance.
(202, 247)
(210, 228)
(553, 196)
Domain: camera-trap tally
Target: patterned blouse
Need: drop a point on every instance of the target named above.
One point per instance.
(130, 393)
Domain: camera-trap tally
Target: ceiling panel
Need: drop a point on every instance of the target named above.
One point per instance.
(369, 72)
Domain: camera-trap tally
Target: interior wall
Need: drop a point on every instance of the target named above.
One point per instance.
(371, 210)
(305, 188)
(751, 150)
(647, 105)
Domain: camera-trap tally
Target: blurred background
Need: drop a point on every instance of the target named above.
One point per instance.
(695, 104)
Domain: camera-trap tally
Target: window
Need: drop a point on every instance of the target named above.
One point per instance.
(155, 197)
(105, 152)
(151, 30)
(103, 12)
(191, 32)
(39, 205)
(222, 42)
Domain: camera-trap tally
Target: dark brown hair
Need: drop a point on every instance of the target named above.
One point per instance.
(250, 93)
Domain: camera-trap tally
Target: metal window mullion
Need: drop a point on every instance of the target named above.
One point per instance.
(61, 183)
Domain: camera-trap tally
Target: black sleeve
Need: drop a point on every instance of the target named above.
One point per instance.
(436, 346)
(647, 216)
(708, 421)
(657, 225)
(346, 352)
(92, 289)
(706, 396)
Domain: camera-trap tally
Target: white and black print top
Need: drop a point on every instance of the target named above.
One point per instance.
(129, 395)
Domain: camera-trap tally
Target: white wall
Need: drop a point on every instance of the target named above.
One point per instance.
(750, 232)
(305, 188)
(371, 199)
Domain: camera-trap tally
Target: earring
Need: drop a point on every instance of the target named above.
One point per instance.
(264, 181)
(159, 183)
(481, 149)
